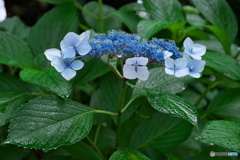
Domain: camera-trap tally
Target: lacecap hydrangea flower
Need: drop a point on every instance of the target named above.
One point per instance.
(66, 66)
(64, 61)
(136, 68)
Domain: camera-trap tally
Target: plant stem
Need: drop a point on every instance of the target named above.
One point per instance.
(106, 112)
(96, 134)
(120, 105)
(210, 86)
(95, 147)
(100, 12)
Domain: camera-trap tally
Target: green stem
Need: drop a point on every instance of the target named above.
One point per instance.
(79, 6)
(95, 147)
(106, 112)
(100, 12)
(120, 105)
(210, 86)
(96, 134)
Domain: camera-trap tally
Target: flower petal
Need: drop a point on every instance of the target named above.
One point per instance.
(3, 13)
(167, 54)
(129, 71)
(77, 64)
(180, 63)
(83, 48)
(181, 72)
(68, 53)
(142, 61)
(131, 61)
(169, 63)
(70, 40)
(52, 53)
(188, 44)
(195, 74)
(169, 71)
(199, 49)
(142, 73)
(68, 73)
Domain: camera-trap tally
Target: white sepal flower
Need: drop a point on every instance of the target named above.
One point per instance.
(136, 68)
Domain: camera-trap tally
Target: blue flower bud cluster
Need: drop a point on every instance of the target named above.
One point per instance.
(124, 45)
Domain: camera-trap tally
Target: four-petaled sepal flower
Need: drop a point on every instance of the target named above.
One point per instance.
(66, 66)
(176, 67)
(73, 43)
(196, 51)
(195, 67)
(136, 68)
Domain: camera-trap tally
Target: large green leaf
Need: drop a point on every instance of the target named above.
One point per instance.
(14, 51)
(9, 83)
(104, 22)
(159, 82)
(170, 11)
(48, 122)
(48, 79)
(223, 133)
(226, 104)
(148, 28)
(128, 154)
(174, 105)
(220, 14)
(15, 26)
(92, 69)
(9, 103)
(50, 30)
(222, 63)
(162, 132)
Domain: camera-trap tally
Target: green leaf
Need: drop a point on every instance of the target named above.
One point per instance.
(104, 23)
(159, 82)
(174, 105)
(226, 104)
(129, 18)
(14, 51)
(128, 154)
(50, 30)
(219, 14)
(48, 122)
(48, 79)
(56, 1)
(223, 133)
(82, 150)
(10, 83)
(162, 132)
(15, 26)
(9, 103)
(170, 11)
(222, 63)
(92, 69)
(148, 28)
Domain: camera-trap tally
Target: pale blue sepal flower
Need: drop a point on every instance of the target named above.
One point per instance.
(196, 51)
(3, 13)
(67, 67)
(136, 68)
(177, 67)
(167, 54)
(73, 43)
(195, 67)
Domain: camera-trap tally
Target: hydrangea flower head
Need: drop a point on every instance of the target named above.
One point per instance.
(195, 67)
(73, 43)
(176, 67)
(136, 68)
(196, 51)
(66, 66)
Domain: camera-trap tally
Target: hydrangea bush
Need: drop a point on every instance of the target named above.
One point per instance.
(91, 82)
